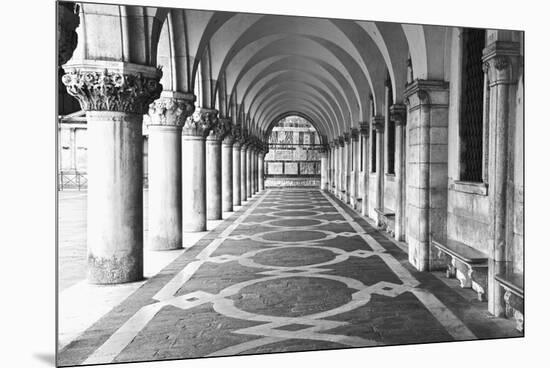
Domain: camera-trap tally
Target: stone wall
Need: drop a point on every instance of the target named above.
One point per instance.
(389, 191)
(468, 204)
(275, 182)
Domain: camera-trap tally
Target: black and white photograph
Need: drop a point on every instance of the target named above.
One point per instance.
(237, 182)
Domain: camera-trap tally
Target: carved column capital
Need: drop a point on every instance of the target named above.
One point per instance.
(341, 141)
(221, 127)
(364, 128)
(354, 134)
(378, 123)
(398, 114)
(113, 86)
(229, 138)
(346, 137)
(171, 109)
(244, 138)
(501, 61)
(200, 122)
(426, 92)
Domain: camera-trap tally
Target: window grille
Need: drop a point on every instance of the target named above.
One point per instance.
(391, 147)
(471, 106)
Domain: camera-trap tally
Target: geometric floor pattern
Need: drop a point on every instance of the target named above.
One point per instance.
(293, 270)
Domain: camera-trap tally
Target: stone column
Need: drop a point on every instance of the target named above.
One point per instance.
(166, 118)
(115, 96)
(364, 130)
(254, 173)
(193, 150)
(398, 114)
(329, 167)
(249, 171)
(501, 63)
(353, 168)
(227, 170)
(378, 124)
(333, 155)
(261, 170)
(237, 167)
(427, 104)
(244, 193)
(346, 167)
(332, 167)
(341, 168)
(214, 168)
(324, 169)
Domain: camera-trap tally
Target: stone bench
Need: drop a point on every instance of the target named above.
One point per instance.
(386, 219)
(467, 264)
(512, 282)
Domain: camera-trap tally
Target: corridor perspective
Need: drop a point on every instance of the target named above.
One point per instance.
(294, 270)
(238, 183)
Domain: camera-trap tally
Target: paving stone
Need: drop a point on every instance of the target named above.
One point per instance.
(286, 281)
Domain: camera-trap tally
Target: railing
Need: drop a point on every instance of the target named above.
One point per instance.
(79, 180)
(72, 180)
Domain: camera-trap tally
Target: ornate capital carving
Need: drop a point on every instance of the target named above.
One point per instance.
(220, 129)
(378, 123)
(426, 92)
(364, 128)
(243, 137)
(171, 109)
(124, 87)
(341, 141)
(229, 138)
(67, 38)
(200, 122)
(347, 136)
(354, 134)
(502, 59)
(485, 67)
(398, 114)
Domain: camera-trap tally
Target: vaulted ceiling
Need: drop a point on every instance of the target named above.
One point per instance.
(258, 68)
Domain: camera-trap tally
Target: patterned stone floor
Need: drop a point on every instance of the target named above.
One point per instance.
(292, 270)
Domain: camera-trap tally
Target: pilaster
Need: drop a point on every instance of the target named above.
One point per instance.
(427, 108)
(502, 63)
(398, 114)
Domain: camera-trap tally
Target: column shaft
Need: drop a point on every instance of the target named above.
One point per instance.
(365, 194)
(164, 225)
(244, 193)
(227, 175)
(193, 153)
(261, 171)
(399, 182)
(249, 172)
(323, 170)
(115, 197)
(236, 174)
(398, 115)
(213, 179)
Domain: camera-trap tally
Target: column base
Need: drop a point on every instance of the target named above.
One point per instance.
(115, 270)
